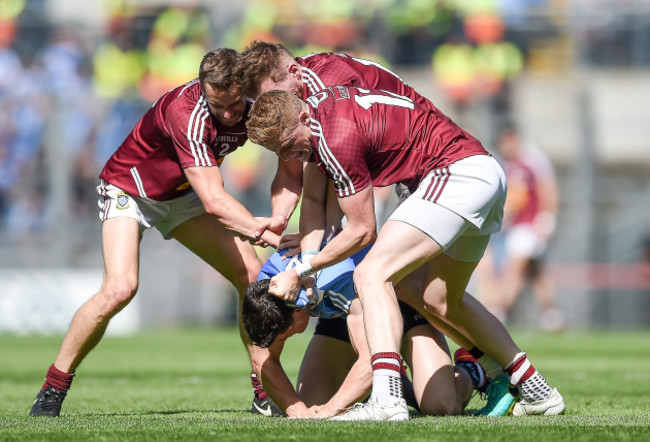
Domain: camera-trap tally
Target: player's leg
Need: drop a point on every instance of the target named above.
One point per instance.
(237, 261)
(399, 249)
(488, 287)
(327, 361)
(224, 251)
(410, 291)
(120, 243)
(440, 388)
(489, 334)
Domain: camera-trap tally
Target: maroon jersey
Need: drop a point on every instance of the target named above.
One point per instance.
(372, 137)
(177, 132)
(323, 70)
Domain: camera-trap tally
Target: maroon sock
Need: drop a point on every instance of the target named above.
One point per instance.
(258, 390)
(57, 379)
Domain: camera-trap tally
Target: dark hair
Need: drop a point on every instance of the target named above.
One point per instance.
(218, 68)
(264, 315)
(261, 60)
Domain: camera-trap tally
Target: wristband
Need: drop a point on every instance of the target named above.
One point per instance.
(308, 254)
(286, 220)
(304, 269)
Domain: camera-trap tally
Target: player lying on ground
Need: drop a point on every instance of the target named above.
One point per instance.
(333, 386)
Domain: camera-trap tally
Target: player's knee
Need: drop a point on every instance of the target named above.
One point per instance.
(360, 276)
(367, 274)
(435, 301)
(117, 294)
(243, 276)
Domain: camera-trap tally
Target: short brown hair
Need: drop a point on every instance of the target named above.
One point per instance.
(259, 61)
(273, 114)
(218, 68)
(264, 315)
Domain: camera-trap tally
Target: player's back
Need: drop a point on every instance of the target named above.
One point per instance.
(327, 69)
(366, 137)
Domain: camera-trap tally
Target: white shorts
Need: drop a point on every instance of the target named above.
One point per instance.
(458, 206)
(163, 215)
(522, 241)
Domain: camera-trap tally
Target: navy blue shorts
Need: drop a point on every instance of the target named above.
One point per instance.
(337, 327)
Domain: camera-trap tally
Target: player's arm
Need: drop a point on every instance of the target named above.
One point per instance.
(285, 193)
(312, 208)
(357, 383)
(360, 231)
(266, 362)
(207, 182)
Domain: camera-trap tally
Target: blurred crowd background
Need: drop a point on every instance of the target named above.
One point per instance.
(573, 76)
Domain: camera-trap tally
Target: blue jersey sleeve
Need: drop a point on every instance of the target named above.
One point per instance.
(335, 287)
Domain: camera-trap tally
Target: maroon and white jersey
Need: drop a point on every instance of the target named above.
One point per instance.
(372, 137)
(327, 69)
(177, 132)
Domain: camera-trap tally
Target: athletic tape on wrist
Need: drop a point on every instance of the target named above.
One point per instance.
(304, 269)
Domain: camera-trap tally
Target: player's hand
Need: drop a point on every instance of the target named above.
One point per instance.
(285, 285)
(291, 242)
(298, 410)
(314, 412)
(263, 224)
(276, 223)
(259, 242)
(325, 412)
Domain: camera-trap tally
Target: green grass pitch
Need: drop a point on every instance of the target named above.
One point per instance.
(191, 385)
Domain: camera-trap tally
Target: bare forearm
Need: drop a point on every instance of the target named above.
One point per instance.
(353, 389)
(278, 386)
(312, 224)
(286, 188)
(345, 244)
(233, 215)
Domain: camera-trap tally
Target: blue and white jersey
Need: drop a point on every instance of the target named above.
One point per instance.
(334, 287)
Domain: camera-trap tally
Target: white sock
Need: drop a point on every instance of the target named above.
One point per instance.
(386, 378)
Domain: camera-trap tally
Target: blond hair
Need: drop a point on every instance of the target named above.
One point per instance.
(274, 114)
(259, 61)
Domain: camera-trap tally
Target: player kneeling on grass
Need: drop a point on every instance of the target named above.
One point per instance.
(332, 386)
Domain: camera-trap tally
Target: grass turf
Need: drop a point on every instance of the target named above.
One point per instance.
(193, 385)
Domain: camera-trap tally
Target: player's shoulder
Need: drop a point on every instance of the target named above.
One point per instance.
(323, 58)
(185, 95)
(185, 103)
(328, 69)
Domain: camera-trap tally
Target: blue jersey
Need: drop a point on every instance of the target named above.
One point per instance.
(334, 287)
